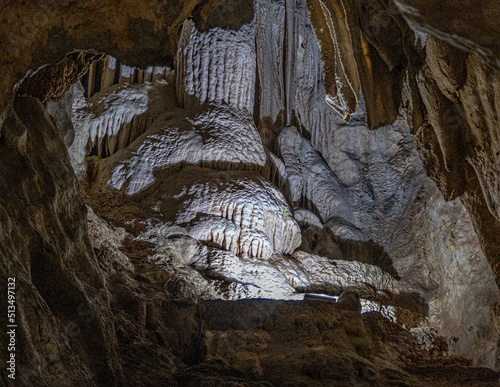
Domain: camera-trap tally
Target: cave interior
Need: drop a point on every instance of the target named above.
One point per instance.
(250, 193)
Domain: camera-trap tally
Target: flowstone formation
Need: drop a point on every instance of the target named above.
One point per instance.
(314, 207)
(281, 192)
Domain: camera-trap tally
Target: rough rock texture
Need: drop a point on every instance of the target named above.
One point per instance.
(360, 186)
(435, 19)
(108, 71)
(464, 272)
(365, 46)
(212, 137)
(238, 211)
(463, 110)
(116, 117)
(369, 181)
(44, 32)
(454, 91)
(61, 113)
(216, 66)
(379, 171)
(375, 26)
(52, 82)
(65, 330)
(94, 317)
(353, 178)
(314, 186)
(323, 275)
(441, 255)
(232, 276)
(321, 343)
(269, 40)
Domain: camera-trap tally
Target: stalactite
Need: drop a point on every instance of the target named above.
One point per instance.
(269, 35)
(208, 71)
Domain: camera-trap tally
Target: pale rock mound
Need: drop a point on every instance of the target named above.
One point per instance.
(218, 137)
(238, 211)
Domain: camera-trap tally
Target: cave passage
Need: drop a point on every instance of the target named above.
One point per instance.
(276, 193)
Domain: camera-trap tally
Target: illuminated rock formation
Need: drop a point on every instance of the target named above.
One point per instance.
(237, 176)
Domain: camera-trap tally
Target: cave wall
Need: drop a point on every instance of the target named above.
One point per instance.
(452, 97)
(350, 188)
(365, 50)
(52, 239)
(66, 333)
(139, 35)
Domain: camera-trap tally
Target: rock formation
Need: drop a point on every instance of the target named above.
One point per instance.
(254, 193)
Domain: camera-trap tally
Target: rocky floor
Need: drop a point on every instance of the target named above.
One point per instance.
(191, 341)
(268, 343)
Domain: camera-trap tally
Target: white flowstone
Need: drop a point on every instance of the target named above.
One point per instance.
(269, 36)
(275, 171)
(215, 137)
(216, 66)
(237, 211)
(388, 311)
(377, 172)
(247, 279)
(303, 216)
(208, 171)
(115, 117)
(312, 273)
(314, 186)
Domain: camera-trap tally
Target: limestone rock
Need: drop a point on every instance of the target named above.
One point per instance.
(333, 28)
(116, 117)
(325, 274)
(269, 35)
(237, 211)
(275, 171)
(91, 319)
(53, 82)
(316, 342)
(432, 18)
(364, 47)
(106, 239)
(464, 271)
(379, 171)
(307, 217)
(216, 66)
(311, 182)
(209, 137)
(62, 308)
(322, 241)
(439, 253)
(138, 36)
(246, 279)
(464, 124)
(61, 111)
(77, 151)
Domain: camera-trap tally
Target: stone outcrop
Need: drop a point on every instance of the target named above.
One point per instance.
(316, 342)
(434, 19)
(441, 255)
(211, 137)
(358, 184)
(44, 32)
(65, 333)
(114, 118)
(454, 91)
